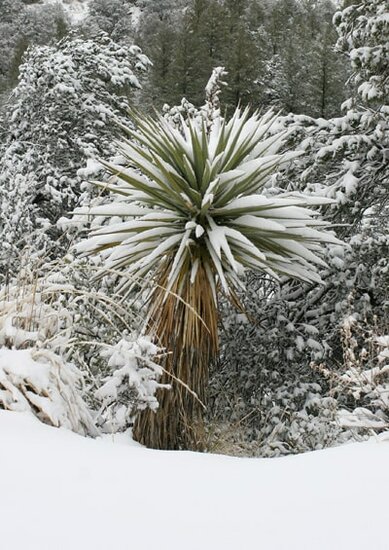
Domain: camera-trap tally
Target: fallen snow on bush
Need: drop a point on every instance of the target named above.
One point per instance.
(132, 383)
(40, 382)
(65, 492)
(35, 375)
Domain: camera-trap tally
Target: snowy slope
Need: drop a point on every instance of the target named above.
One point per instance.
(60, 491)
(76, 10)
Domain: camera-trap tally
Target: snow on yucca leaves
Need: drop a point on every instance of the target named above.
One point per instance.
(196, 219)
(199, 201)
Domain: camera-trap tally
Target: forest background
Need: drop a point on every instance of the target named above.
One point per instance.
(301, 366)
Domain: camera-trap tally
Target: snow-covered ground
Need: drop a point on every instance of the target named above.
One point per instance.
(77, 10)
(60, 491)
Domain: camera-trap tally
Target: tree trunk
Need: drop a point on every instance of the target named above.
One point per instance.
(184, 322)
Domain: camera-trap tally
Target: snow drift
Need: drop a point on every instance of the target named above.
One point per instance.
(65, 492)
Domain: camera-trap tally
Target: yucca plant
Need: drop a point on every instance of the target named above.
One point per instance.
(197, 219)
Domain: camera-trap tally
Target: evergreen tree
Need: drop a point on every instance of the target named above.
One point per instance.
(275, 53)
(113, 17)
(62, 114)
(22, 25)
(307, 72)
(157, 35)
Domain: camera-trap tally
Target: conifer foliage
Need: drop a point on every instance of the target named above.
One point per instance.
(62, 114)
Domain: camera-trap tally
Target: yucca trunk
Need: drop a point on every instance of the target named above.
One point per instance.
(184, 322)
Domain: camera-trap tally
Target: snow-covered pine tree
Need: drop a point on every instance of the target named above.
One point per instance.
(282, 53)
(23, 24)
(62, 113)
(115, 17)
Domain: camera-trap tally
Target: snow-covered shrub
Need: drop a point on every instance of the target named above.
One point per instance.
(35, 373)
(28, 317)
(132, 383)
(288, 418)
(284, 327)
(62, 113)
(62, 321)
(41, 382)
(100, 315)
(208, 112)
(362, 386)
(267, 407)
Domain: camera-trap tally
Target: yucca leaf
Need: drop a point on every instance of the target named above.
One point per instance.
(200, 204)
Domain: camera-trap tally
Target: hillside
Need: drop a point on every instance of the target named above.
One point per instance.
(76, 10)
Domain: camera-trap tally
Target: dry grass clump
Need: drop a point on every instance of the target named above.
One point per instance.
(34, 373)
